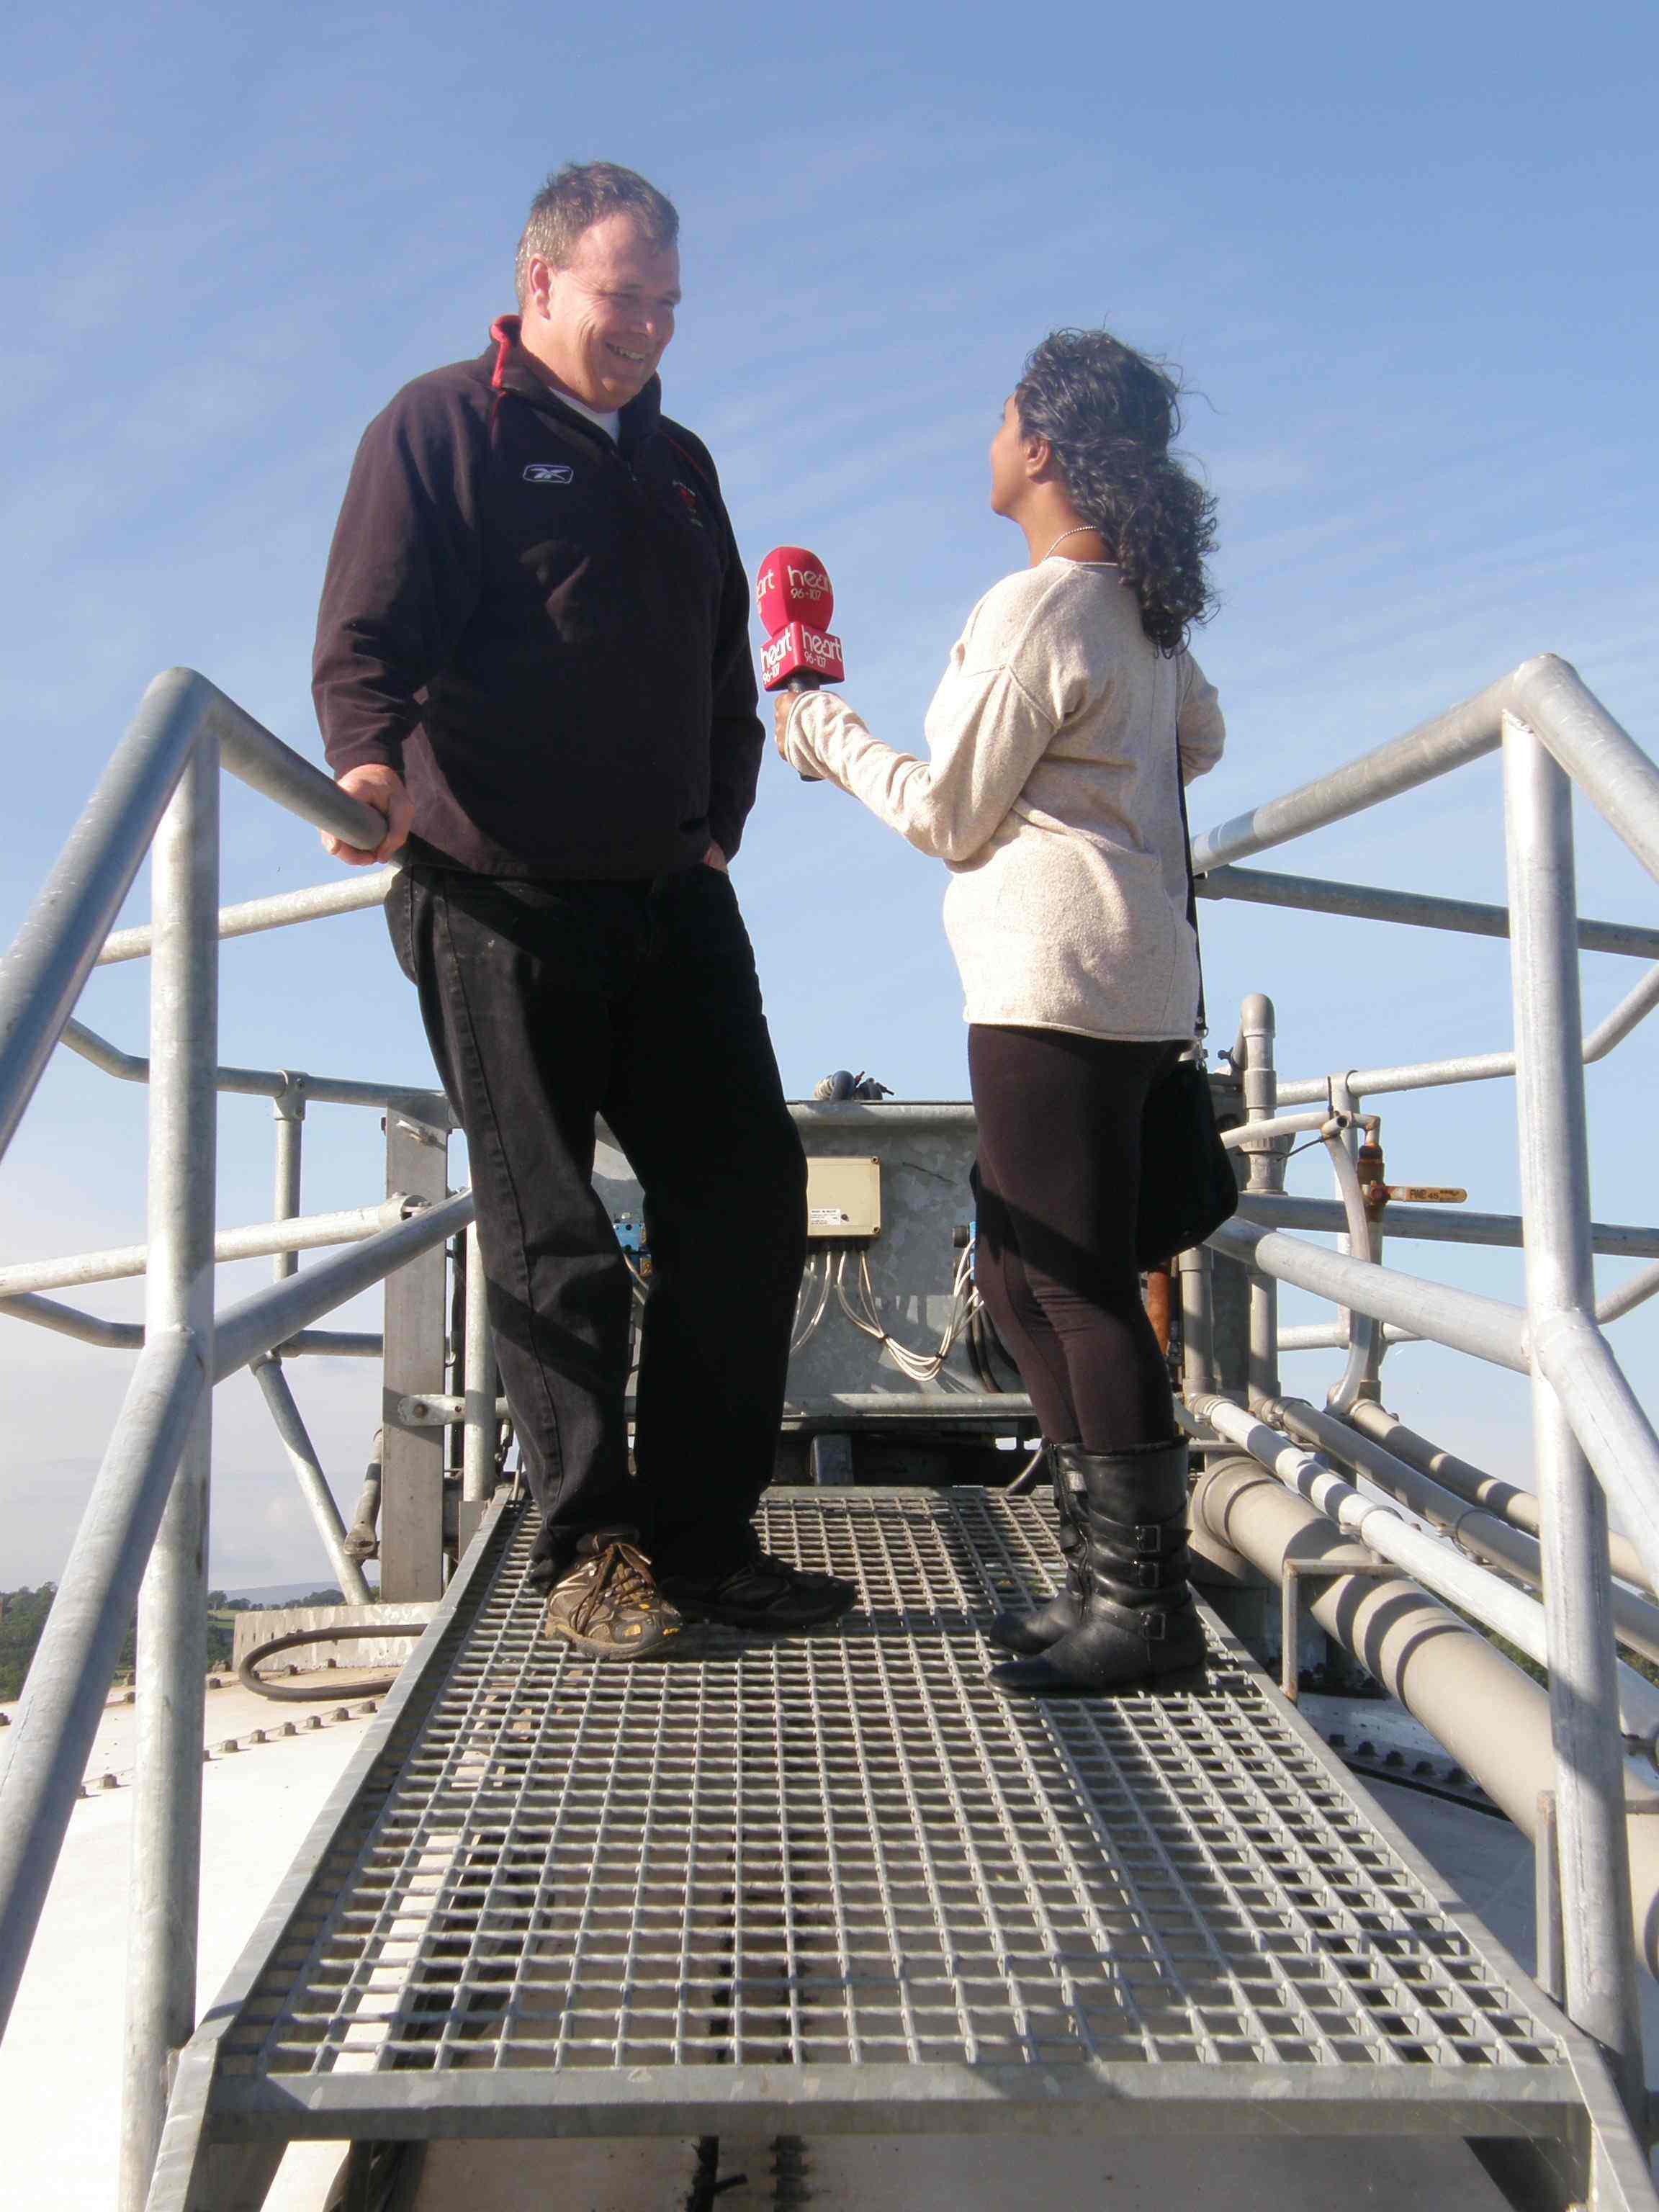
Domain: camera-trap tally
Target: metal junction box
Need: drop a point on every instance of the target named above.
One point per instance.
(843, 1197)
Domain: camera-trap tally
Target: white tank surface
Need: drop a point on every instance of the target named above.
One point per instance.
(60, 2064)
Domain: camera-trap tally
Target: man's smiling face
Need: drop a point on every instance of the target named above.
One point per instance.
(602, 324)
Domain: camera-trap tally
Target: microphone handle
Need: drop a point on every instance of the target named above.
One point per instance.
(805, 683)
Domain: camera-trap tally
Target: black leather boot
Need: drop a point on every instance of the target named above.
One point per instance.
(1022, 1630)
(1140, 1626)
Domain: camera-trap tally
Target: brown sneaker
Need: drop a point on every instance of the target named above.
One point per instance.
(608, 1604)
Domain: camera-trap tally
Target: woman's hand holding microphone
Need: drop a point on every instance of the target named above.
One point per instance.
(799, 654)
(793, 752)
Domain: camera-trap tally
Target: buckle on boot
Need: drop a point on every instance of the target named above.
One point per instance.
(1149, 1574)
(1155, 1626)
(1149, 1537)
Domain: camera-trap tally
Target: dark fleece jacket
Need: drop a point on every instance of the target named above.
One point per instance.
(546, 632)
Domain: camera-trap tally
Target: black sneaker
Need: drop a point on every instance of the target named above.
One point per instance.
(608, 1603)
(759, 1592)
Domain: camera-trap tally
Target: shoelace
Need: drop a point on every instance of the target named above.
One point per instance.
(629, 1570)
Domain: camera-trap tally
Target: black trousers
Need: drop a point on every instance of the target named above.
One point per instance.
(548, 1003)
(1059, 1181)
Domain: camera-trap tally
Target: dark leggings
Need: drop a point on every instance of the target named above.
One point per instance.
(1059, 1178)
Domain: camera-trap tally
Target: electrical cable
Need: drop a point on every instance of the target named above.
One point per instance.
(995, 1349)
(250, 1681)
(1028, 1474)
(984, 1345)
(920, 1366)
(979, 1351)
(805, 1330)
(985, 1348)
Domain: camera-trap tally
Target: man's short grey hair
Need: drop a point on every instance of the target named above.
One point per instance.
(578, 196)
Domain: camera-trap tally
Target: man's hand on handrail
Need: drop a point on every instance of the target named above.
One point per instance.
(382, 788)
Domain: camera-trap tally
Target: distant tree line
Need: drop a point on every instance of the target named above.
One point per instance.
(23, 1616)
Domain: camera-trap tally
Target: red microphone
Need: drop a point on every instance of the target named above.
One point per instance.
(796, 603)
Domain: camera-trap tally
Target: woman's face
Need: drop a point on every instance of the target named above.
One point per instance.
(1008, 477)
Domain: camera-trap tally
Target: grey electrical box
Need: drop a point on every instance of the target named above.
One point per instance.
(843, 1197)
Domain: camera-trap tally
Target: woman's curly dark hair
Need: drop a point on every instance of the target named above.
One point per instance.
(1109, 414)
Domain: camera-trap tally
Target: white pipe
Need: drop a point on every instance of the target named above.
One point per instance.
(1485, 1535)
(1475, 1486)
(1438, 1565)
(1492, 1718)
(1244, 1134)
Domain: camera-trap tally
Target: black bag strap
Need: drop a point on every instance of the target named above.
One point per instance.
(1192, 888)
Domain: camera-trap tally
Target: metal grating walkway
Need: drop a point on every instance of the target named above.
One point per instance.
(841, 1870)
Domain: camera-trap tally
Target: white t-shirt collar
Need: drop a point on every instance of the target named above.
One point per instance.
(610, 421)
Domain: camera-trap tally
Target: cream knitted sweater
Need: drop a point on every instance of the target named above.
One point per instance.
(1051, 795)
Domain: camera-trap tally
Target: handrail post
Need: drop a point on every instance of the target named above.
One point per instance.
(1362, 1240)
(289, 1109)
(1595, 1859)
(1266, 1172)
(172, 1602)
(1194, 1272)
(478, 1444)
(412, 1457)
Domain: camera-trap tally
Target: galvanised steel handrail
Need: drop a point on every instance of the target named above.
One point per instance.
(259, 1240)
(277, 1084)
(1422, 909)
(41, 977)
(1587, 1421)
(317, 901)
(151, 1492)
(1478, 1068)
(1546, 693)
(143, 1535)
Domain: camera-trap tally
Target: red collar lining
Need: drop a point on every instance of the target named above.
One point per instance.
(505, 331)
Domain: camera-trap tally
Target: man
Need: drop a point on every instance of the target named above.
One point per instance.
(532, 658)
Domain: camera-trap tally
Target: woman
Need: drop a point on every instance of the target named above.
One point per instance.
(1052, 795)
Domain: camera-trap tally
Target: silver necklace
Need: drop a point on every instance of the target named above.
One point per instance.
(1082, 530)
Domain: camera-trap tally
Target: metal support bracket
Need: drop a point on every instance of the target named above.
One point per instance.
(1550, 1969)
(438, 1409)
(1296, 1570)
(1551, 1973)
(831, 1460)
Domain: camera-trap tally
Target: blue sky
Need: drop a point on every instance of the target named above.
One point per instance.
(1404, 260)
